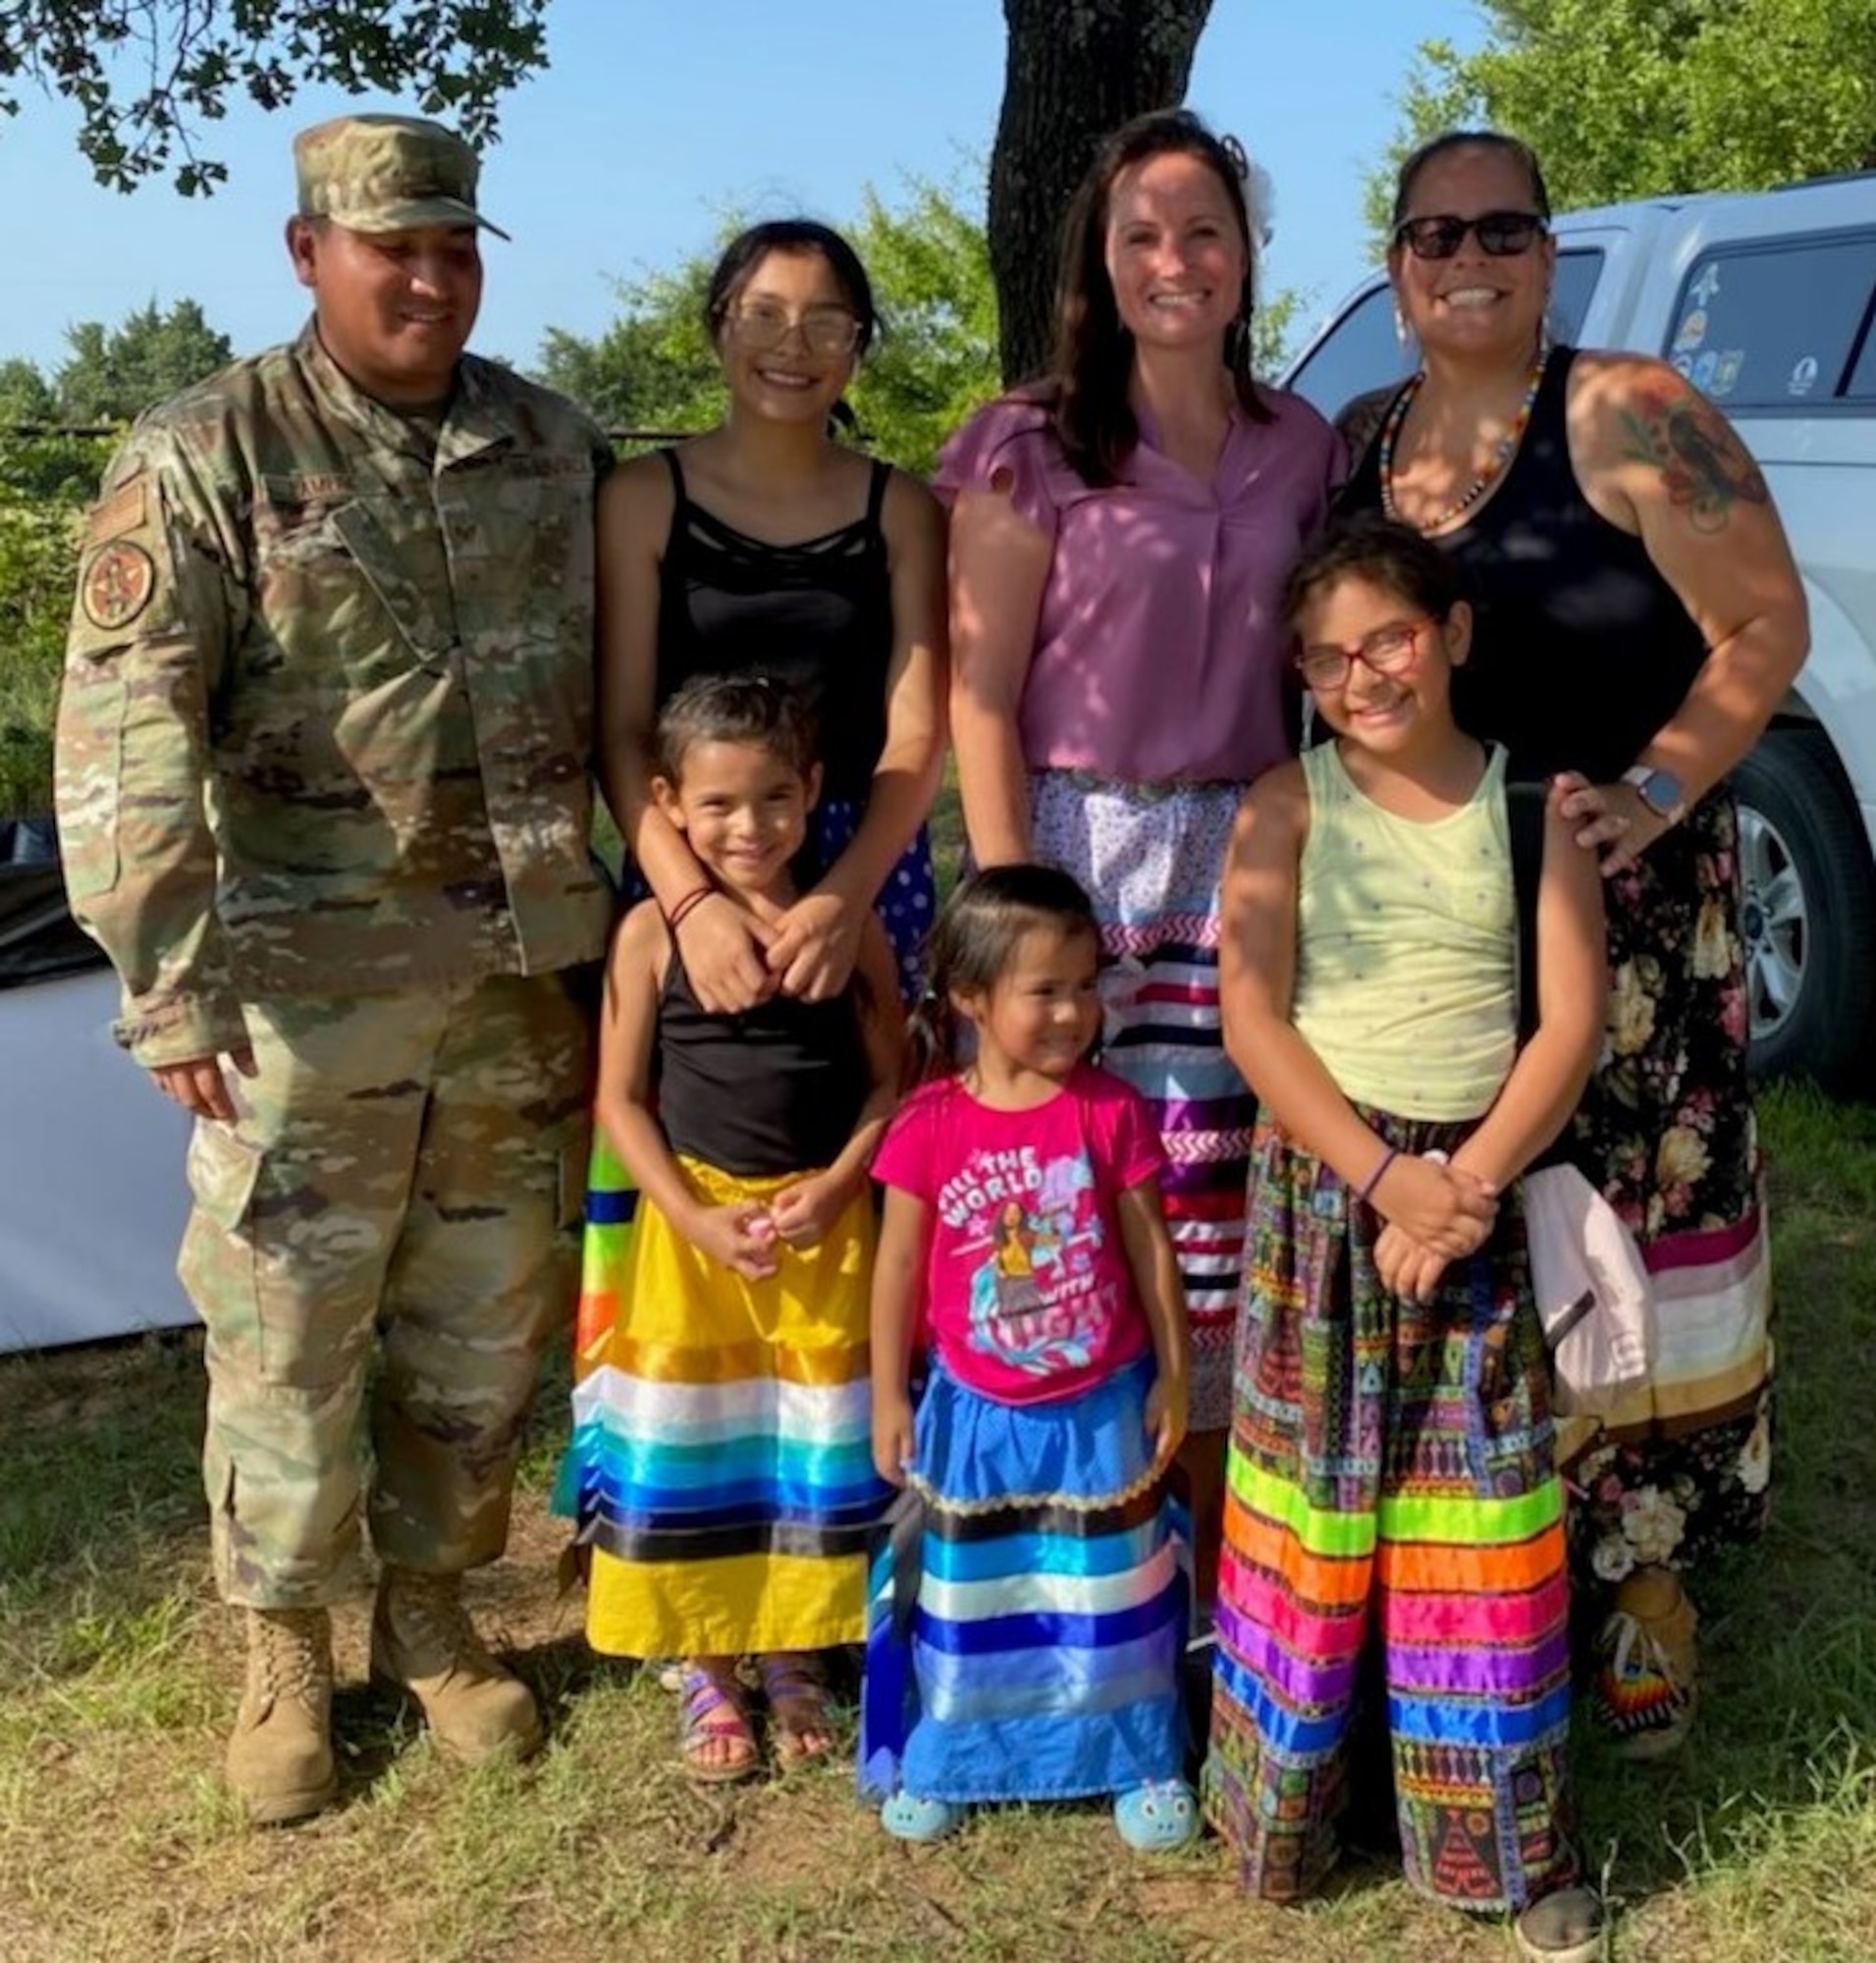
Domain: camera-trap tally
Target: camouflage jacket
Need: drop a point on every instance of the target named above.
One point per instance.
(327, 713)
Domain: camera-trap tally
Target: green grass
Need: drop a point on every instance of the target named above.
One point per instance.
(120, 1674)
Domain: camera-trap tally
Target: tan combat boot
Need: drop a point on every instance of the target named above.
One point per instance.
(422, 1641)
(280, 1757)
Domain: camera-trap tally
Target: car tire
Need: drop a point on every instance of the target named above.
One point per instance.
(1808, 912)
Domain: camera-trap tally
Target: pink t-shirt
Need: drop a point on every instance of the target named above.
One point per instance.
(1029, 1297)
(1160, 654)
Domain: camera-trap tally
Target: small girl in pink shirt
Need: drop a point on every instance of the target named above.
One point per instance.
(1028, 1617)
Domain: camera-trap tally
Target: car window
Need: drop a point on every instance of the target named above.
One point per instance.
(1862, 378)
(1361, 351)
(1776, 325)
(1570, 292)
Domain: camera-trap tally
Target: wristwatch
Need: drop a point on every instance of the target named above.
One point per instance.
(1660, 790)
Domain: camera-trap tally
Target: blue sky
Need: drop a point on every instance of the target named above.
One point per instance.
(654, 118)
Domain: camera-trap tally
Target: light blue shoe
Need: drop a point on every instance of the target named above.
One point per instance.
(1158, 1817)
(907, 1816)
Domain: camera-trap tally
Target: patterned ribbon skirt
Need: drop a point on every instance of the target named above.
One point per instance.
(1028, 1610)
(1151, 857)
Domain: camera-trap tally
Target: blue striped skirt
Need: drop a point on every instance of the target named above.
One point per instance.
(1028, 1604)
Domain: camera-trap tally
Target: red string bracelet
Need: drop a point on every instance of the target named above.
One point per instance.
(687, 906)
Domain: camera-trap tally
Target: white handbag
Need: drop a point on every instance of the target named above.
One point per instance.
(1594, 1294)
(1594, 1298)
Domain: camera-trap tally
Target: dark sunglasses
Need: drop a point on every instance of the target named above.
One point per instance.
(1502, 234)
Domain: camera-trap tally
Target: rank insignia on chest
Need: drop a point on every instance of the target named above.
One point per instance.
(118, 582)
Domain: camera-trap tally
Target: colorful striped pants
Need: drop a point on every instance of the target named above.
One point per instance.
(1394, 1553)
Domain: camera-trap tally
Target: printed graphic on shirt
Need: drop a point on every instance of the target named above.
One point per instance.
(1041, 1298)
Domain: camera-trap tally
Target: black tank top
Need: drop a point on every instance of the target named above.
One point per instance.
(1582, 651)
(776, 1088)
(818, 616)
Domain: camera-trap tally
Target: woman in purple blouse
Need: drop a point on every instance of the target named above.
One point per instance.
(1120, 535)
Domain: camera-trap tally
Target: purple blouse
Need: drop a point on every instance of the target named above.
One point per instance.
(1159, 650)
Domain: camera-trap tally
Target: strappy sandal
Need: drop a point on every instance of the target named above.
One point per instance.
(795, 1683)
(713, 1715)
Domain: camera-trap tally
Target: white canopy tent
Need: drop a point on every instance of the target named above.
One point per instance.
(93, 1195)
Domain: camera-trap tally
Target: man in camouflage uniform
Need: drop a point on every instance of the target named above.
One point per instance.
(323, 795)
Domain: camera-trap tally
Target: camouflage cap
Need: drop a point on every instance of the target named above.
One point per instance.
(387, 174)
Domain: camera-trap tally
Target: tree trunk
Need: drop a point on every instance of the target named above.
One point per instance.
(1075, 70)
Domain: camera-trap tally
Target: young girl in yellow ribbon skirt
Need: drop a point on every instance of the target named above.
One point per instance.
(728, 1418)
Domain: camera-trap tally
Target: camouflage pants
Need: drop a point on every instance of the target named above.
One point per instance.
(406, 1167)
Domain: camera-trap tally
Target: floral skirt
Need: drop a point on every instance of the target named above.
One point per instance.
(1667, 1130)
(1150, 859)
(1394, 1552)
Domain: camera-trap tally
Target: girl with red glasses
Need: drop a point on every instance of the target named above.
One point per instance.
(1394, 1527)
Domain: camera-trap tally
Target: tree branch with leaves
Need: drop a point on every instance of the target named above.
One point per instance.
(146, 75)
(1644, 98)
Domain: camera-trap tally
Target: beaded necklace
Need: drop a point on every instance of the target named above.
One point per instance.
(1502, 453)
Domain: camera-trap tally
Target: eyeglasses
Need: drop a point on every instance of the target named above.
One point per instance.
(1502, 234)
(826, 332)
(1388, 651)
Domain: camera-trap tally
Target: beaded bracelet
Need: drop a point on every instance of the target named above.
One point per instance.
(687, 906)
(1366, 1190)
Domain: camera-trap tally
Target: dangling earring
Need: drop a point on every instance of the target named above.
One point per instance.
(1402, 333)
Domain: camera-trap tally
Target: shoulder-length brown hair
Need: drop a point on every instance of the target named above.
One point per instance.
(1093, 361)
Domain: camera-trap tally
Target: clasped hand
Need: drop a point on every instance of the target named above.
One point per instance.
(735, 960)
(815, 946)
(741, 1236)
(804, 1213)
(1434, 1213)
(746, 1236)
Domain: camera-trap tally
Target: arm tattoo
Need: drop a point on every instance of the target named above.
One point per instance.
(1703, 464)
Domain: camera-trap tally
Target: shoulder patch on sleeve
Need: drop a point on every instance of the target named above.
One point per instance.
(123, 510)
(117, 583)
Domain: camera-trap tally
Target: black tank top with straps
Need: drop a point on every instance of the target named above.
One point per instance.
(1582, 651)
(776, 1088)
(818, 615)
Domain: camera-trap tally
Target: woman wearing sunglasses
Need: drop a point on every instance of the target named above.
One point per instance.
(1638, 619)
(762, 545)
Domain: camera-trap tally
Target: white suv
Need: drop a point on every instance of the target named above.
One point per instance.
(1766, 301)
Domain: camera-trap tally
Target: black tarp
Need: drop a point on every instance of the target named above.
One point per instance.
(39, 940)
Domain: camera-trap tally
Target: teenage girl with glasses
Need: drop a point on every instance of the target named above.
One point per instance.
(1394, 1540)
(764, 544)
